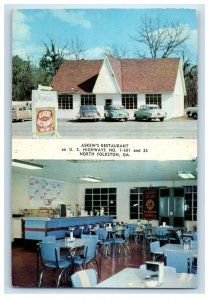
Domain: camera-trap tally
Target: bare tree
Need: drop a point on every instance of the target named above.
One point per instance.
(76, 48)
(116, 52)
(160, 39)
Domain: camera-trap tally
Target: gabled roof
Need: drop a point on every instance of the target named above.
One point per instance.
(117, 70)
(156, 75)
(149, 75)
(76, 76)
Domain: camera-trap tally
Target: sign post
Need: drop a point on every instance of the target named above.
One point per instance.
(44, 113)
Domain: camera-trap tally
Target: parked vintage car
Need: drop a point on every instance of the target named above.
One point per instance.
(192, 112)
(150, 112)
(116, 112)
(21, 112)
(88, 112)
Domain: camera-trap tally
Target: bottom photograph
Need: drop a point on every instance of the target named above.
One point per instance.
(104, 224)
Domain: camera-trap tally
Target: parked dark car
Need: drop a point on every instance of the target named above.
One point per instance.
(116, 112)
(192, 112)
(88, 112)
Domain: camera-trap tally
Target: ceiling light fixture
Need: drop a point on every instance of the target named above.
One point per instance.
(90, 178)
(26, 165)
(186, 175)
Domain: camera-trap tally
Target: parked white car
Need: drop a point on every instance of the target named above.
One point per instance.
(150, 112)
(116, 112)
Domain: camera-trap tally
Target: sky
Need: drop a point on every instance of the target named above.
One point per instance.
(98, 29)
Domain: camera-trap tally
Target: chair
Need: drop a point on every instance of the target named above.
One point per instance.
(133, 233)
(77, 232)
(175, 237)
(50, 258)
(123, 241)
(153, 247)
(161, 234)
(193, 244)
(194, 236)
(89, 236)
(89, 255)
(180, 260)
(104, 241)
(118, 231)
(49, 238)
(148, 234)
(179, 235)
(194, 262)
(84, 278)
(86, 229)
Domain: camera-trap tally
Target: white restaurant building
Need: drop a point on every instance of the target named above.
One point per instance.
(130, 82)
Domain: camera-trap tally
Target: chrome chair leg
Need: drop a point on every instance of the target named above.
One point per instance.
(41, 277)
(60, 275)
(124, 248)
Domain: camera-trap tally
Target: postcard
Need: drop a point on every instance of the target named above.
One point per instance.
(104, 147)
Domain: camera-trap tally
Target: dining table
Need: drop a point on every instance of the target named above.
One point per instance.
(174, 247)
(138, 278)
(71, 245)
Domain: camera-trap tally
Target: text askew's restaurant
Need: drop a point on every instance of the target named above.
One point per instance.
(151, 204)
(45, 120)
(44, 113)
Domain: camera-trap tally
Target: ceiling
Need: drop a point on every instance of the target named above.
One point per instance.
(111, 171)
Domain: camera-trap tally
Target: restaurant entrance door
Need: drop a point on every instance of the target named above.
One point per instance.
(171, 206)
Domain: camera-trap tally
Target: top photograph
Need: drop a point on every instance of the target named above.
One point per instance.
(105, 73)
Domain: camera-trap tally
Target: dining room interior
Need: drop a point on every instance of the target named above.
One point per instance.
(138, 212)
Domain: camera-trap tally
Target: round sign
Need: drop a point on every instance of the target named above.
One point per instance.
(150, 204)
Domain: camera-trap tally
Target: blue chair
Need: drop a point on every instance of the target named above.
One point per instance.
(89, 236)
(89, 255)
(161, 234)
(104, 241)
(123, 241)
(194, 236)
(77, 232)
(148, 233)
(153, 247)
(49, 238)
(180, 260)
(86, 229)
(84, 278)
(133, 233)
(51, 259)
(194, 262)
(193, 244)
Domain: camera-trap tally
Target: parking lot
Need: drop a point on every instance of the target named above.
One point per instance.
(184, 127)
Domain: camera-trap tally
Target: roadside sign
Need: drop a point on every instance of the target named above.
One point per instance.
(44, 113)
(45, 120)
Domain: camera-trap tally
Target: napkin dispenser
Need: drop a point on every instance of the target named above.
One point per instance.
(157, 267)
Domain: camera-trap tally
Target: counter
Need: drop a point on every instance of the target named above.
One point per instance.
(37, 227)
